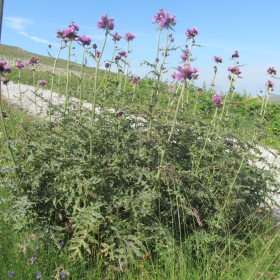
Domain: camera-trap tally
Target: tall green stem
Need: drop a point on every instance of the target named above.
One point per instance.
(171, 133)
(66, 104)
(81, 84)
(95, 93)
(52, 82)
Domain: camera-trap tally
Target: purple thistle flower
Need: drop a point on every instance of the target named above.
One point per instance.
(69, 33)
(10, 273)
(7, 69)
(117, 57)
(38, 275)
(185, 72)
(3, 63)
(129, 37)
(269, 84)
(42, 82)
(33, 60)
(185, 55)
(97, 53)
(107, 64)
(116, 37)
(235, 70)
(217, 100)
(105, 23)
(191, 32)
(94, 46)
(218, 59)
(84, 40)
(135, 80)
(32, 260)
(63, 274)
(271, 71)
(163, 19)
(235, 54)
(4, 80)
(19, 64)
(61, 243)
(122, 53)
(119, 113)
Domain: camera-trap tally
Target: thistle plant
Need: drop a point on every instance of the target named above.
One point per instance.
(164, 21)
(53, 73)
(33, 61)
(20, 65)
(269, 87)
(218, 60)
(234, 71)
(106, 24)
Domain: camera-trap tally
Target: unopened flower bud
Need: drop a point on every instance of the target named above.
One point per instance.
(94, 45)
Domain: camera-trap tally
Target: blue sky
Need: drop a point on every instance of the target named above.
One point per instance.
(249, 26)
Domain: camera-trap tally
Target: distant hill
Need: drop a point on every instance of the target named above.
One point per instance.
(275, 98)
(18, 53)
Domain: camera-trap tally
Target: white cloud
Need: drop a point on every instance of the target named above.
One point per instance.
(17, 23)
(34, 38)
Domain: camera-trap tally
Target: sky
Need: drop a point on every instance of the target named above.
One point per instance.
(249, 26)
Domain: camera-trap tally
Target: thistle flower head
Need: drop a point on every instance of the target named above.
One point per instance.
(4, 80)
(19, 64)
(105, 23)
(33, 60)
(129, 36)
(10, 273)
(235, 54)
(269, 84)
(119, 113)
(42, 82)
(85, 41)
(135, 80)
(116, 36)
(271, 71)
(7, 69)
(185, 55)
(164, 20)
(218, 59)
(69, 33)
(122, 53)
(191, 32)
(185, 72)
(216, 98)
(235, 70)
(38, 275)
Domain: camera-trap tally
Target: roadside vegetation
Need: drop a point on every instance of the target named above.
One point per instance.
(165, 186)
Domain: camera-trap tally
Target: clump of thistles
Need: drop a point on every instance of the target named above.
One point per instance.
(191, 32)
(163, 19)
(216, 98)
(105, 23)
